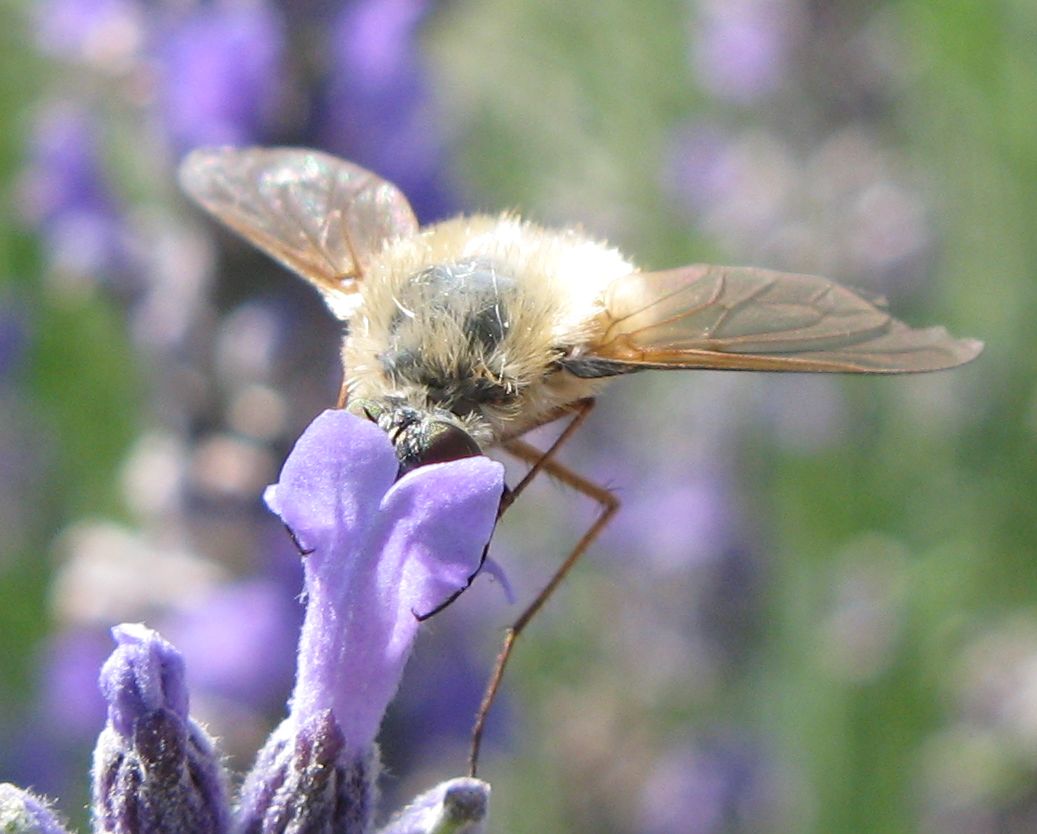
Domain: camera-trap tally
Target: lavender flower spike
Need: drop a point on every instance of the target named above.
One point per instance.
(459, 806)
(155, 771)
(23, 813)
(379, 552)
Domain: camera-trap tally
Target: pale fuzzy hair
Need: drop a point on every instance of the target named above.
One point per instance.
(559, 277)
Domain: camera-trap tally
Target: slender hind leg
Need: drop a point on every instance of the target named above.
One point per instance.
(609, 506)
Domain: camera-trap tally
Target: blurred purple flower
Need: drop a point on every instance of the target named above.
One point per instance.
(50, 746)
(739, 187)
(65, 195)
(240, 641)
(740, 48)
(219, 73)
(64, 166)
(701, 170)
(715, 786)
(70, 704)
(700, 523)
(377, 109)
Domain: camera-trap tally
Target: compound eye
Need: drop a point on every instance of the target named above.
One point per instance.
(445, 442)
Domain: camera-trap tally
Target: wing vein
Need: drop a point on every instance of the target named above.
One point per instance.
(774, 322)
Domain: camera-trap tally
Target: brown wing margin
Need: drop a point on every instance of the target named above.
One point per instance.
(740, 318)
(320, 216)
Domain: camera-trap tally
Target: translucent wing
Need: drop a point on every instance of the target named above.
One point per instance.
(758, 320)
(320, 216)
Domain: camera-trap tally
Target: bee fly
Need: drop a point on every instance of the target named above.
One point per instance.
(466, 334)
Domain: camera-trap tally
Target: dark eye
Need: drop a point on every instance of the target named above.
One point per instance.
(444, 442)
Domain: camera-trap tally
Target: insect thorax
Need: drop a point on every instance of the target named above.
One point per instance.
(448, 335)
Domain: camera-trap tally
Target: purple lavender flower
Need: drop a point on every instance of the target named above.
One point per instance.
(379, 552)
(218, 73)
(154, 769)
(23, 813)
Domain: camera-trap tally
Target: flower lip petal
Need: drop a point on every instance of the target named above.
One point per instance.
(450, 511)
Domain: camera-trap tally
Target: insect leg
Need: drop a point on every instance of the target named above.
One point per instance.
(343, 394)
(609, 506)
(543, 460)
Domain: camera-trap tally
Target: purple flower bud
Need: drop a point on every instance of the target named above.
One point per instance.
(306, 780)
(23, 813)
(154, 769)
(459, 806)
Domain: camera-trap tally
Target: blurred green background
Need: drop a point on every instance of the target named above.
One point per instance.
(817, 611)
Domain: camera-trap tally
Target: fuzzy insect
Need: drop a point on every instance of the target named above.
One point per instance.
(464, 335)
